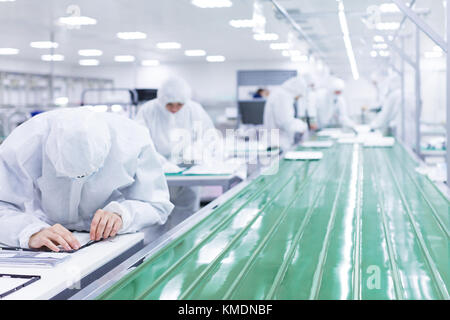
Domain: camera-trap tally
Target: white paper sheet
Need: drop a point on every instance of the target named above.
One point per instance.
(220, 168)
(169, 167)
(382, 142)
(303, 155)
(329, 132)
(318, 144)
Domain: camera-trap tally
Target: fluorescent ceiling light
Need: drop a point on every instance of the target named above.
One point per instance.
(90, 52)
(387, 26)
(347, 41)
(77, 21)
(389, 8)
(215, 58)
(384, 53)
(89, 62)
(7, 0)
(301, 58)
(208, 4)
(150, 63)
(265, 36)
(52, 57)
(44, 45)
(378, 39)
(291, 53)
(381, 46)
(242, 23)
(8, 51)
(135, 35)
(373, 54)
(124, 58)
(168, 45)
(61, 101)
(280, 46)
(195, 53)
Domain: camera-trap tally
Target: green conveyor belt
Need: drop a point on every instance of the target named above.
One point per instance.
(358, 224)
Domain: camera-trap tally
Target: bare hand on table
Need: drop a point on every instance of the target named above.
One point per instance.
(105, 224)
(52, 237)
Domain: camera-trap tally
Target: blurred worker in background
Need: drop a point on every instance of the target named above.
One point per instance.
(307, 107)
(331, 106)
(75, 169)
(261, 93)
(281, 111)
(380, 81)
(175, 122)
(390, 116)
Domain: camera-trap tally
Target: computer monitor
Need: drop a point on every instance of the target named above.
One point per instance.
(252, 111)
(145, 95)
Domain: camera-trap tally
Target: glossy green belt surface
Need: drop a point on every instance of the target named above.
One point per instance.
(358, 224)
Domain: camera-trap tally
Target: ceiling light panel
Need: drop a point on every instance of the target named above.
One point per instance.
(135, 35)
(280, 46)
(168, 45)
(387, 26)
(9, 51)
(211, 4)
(124, 58)
(150, 63)
(90, 52)
(265, 36)
(77, 21)
(242, 23)
(215, 58)
(44, 45)
(195, 53)
(52, 57)
(89, 62)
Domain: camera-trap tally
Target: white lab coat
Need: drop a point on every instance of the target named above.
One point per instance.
(308, 105)
(332, 110)
(390, 115)
(33, 196)
(279, 112)
(173, 134)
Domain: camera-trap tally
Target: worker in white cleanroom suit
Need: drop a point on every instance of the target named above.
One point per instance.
(177, 124)
(280, 112)
(331, 106)
(307, 106)
(390, 114)
(78, 170)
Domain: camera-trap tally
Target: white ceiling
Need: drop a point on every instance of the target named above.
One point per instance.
(24, 21)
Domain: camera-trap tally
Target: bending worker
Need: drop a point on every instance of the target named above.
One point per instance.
(75, 169)
(331, 106)
(280, 111)
(175, 123)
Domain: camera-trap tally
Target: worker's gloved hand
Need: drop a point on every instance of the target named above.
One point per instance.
(52, 237)
(105, 224)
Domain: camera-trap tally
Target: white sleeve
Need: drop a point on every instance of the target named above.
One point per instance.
(140, 116)
(147, 200)
(285, 117)
(344, 118)
(18, 219)
(387, 113)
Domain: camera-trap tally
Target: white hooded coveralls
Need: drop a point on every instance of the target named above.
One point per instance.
(331, 108)
(279, 111)
(173, 133)
(62, 166)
